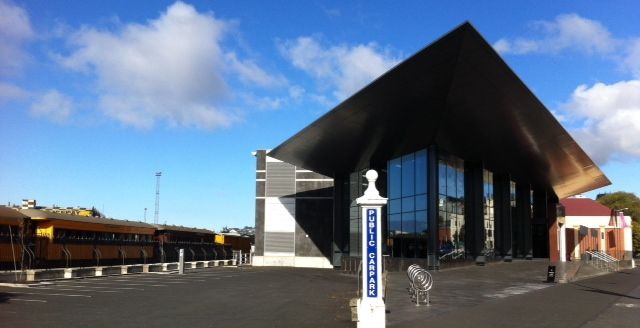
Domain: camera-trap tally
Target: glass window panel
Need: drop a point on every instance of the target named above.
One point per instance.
(451, 181)
(421, 172)
(408, 223)
(442, 177)
(394, 206)
(421, 202)
(395, 224)
(395, 178)
(407, 204)
(421, 222)
(408, 176)
(442, 216)
(460, 182)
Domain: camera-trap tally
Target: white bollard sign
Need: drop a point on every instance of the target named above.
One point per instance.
(181, 261)
(373, 252)
(371, 308)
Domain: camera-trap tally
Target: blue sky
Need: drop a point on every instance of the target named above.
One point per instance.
(96, 96)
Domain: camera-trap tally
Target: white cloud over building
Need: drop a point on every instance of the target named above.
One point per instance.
(605, 116)
(343, 69)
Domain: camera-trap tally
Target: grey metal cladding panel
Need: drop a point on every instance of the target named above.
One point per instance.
(314, 188)
(281, 179)
(311, 175)
(282, 242)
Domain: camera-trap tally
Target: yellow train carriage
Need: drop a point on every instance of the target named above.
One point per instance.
(80, 240)
(12, 230)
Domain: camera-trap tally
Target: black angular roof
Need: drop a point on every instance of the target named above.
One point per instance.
(456, 93)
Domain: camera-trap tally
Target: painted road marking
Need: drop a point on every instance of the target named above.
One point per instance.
(80, 290)
(107, 283)
(628, 305)
(26, 300)
(517, 290)
(57, 294)
(99, 287)
(163, 281)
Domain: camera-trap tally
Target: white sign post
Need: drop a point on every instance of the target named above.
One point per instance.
(371, 308)
(181, 261)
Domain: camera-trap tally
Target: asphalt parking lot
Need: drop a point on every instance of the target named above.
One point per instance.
(214, 297)
(497, 295)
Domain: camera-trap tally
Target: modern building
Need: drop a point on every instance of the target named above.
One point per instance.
(472, 163)
(590, 226)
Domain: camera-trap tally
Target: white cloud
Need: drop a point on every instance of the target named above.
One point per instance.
(53, 106)
(631, 61)
(609, 115)
(249, 72)
(566, 32)
(171, 69)
(345, 69)
(11, 92)
(572, 33)
(15, 32)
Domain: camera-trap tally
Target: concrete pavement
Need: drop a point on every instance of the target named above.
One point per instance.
(514, 295)
(496, 295)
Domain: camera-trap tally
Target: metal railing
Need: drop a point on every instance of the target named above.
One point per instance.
(603, 261)
(242, 258)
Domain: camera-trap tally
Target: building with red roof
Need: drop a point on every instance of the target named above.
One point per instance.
(590, 226)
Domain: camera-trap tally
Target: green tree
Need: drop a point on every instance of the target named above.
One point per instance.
(631, 203)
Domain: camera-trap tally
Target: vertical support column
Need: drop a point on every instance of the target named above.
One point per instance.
(576, 242)
(371, 308)
(602, 236)
(261, 177)
(338, 240)
(563, 243)
(523, 195)
(556, 220)
(474, 211)
(504, 244)
(433, 261)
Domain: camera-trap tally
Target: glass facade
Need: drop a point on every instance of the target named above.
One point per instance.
(451, 225)
(355, 187)
(408, 233)
(407, 207)
(489, 214)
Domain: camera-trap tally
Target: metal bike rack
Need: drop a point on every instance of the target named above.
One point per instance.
(420, 283)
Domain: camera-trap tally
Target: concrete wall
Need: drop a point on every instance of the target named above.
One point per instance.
(294, 215)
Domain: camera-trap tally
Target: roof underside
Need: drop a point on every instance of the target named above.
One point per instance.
(458, 94)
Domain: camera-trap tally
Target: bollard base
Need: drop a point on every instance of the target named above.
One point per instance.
(371, 314)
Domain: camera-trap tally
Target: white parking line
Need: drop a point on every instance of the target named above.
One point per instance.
(79, 290)
(56, 294)
(27, 300)
(107, 283)
(98, 287)
(155, 280)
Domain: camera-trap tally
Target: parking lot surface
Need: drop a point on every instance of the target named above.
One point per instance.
(214, 297)
(496, 295)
